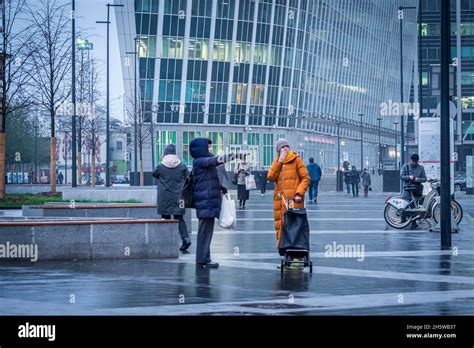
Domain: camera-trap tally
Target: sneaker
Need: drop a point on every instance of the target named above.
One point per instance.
(208, 265)
(186, 244)
(263, 194)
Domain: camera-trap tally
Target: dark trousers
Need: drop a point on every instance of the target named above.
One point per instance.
(348, 187)
(355, 190)
(313, 189)
(263, 188)
(183, 229)
(366, 190)
(204, 238)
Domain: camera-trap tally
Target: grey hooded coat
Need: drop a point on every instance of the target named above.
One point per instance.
(171, 174)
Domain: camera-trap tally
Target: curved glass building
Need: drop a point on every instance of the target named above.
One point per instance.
(246, 72)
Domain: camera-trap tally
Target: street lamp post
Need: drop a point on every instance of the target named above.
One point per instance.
(380, 146)
(73, 94)
(361, 142)
(445, 201)
(152, 138)
(338, 170)
(402, 117)
(107, 118)
(135, 131)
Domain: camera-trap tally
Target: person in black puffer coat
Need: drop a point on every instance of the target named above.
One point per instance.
(207, 195)
(171, 174)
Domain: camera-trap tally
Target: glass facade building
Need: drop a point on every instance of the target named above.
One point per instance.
(430, 55)
(246, 72)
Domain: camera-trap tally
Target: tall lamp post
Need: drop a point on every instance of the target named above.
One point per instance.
(380, 145)
(402, 117)
(73, 95)
(361, 142)
(338, 170)
(35, 179)
(135, 110)
(107, 118)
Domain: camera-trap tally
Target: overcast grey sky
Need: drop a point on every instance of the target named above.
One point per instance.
(87, 13)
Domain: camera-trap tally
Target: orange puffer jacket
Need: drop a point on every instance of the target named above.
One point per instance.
(291, 178)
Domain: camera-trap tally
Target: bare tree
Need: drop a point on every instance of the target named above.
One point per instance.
(94, 124)
(143, 133)
(15, 56)
(50, 63)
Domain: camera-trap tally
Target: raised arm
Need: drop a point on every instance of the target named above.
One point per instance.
(274, 170)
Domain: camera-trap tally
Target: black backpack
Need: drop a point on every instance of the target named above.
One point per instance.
(188, 192)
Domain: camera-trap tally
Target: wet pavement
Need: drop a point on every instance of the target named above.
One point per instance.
(394, 272)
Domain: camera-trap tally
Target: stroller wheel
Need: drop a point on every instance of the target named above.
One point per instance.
(311, 267)
(282, 266)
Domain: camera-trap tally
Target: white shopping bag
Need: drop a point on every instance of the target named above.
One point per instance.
(250, 183)
(227, 217)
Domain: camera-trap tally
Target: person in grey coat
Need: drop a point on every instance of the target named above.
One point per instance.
(242, 170)
(366, 182)
(171, 174)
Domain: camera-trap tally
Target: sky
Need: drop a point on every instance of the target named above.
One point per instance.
(87, 13)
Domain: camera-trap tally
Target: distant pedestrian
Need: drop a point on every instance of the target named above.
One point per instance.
(291, 178)
(366, 182)
(262, 179)
(207, 195)
(60, 178)
(242, 170)
(355, 180)
(315, 174)
(171, 174)
(347, 178)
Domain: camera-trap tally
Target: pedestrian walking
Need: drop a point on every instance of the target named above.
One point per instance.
(171, 173)
(366, 182)
(60, 178)
(315, 174)
(262, 179)
(355, 180)
(242, 171)
(347, 177)
(291, 178)
(207, 195)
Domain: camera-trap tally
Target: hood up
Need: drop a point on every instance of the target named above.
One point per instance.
(199, 148)
(171, 161)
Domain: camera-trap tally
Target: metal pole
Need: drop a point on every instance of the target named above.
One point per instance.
(361, 143)
(396, 144)
(135, 145)
(402, 118)
(445, 131)
(338, 172)
(420, 61)
(459, 86)
(73, 92)
(380, 146)
(107, 120)
(35, 179)
(65, 157)
(152, 139)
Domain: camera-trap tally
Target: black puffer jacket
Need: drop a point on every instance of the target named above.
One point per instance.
(171, 174)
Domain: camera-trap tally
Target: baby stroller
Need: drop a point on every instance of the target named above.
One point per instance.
(294, 242)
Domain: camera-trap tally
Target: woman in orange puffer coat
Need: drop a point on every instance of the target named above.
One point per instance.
(291, 178)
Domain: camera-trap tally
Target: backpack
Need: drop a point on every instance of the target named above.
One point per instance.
(188, 192)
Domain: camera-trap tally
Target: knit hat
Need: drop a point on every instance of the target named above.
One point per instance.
(280, 143)
(170, 150)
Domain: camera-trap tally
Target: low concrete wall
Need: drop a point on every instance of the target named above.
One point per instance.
(93, 240)
(126, 210)
(146, 194)
(34, 189)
